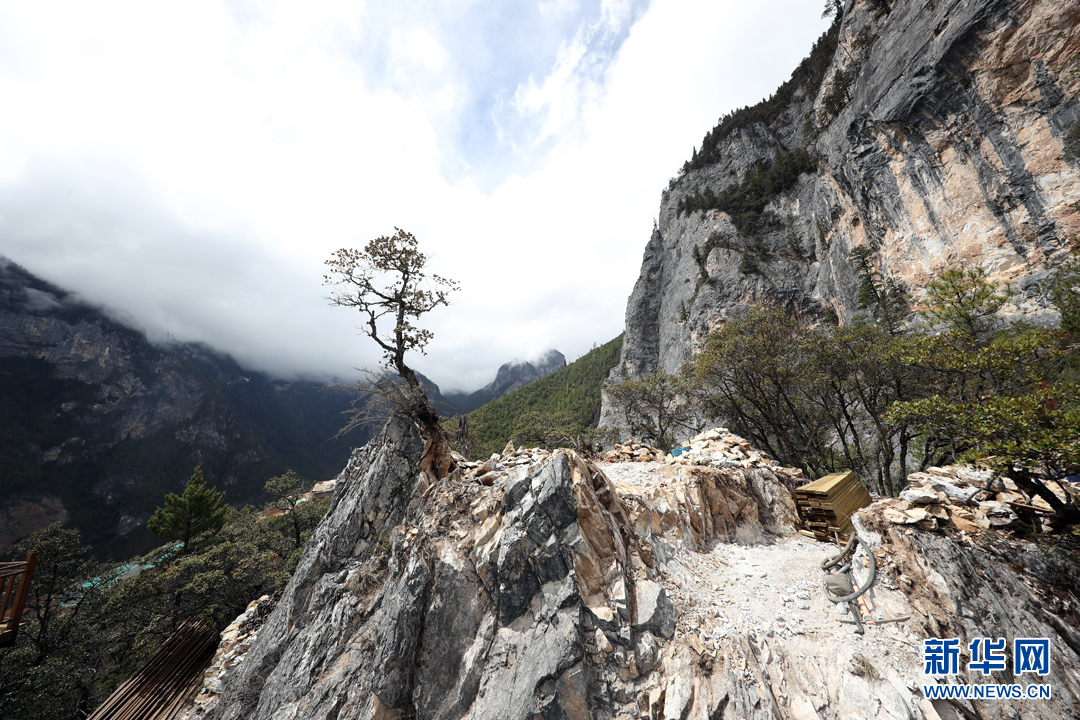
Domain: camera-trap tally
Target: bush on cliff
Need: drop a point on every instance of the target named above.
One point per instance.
(807, 77)
(964, 387)
(745, 201)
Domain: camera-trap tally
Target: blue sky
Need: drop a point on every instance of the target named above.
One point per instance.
(191, 165)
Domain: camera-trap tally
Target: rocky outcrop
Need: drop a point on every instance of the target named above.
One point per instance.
(666, 591)
(947, 150)
(695, 507)
(236, 639)
(995, 586)
(448, 599)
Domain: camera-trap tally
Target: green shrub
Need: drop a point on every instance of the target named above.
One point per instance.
(808, 76)
(745, 201)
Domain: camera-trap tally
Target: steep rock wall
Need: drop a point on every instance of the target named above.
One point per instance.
(447, 599)
(949, 150)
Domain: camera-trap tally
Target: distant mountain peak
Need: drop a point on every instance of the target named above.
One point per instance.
(517, 373)
(510, 377)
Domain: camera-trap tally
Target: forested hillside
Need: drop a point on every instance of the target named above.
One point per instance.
(569, 398)
(99, 423)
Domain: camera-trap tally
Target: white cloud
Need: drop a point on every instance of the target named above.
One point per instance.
(558, 98)
(558, 9)
(194, 164)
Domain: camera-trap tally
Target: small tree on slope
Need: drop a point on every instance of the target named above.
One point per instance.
(387, 280)
(187, 516)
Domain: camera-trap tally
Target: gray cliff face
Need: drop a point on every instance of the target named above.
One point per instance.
(141, 389)
(949, 153)
(675, 593)
(405, 605)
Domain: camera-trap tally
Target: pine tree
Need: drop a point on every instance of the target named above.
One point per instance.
(187, 516)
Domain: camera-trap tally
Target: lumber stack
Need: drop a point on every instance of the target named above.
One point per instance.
(827, 504)
(163, 687)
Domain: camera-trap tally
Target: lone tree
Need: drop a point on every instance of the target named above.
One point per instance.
(187, 516)
(387, 280)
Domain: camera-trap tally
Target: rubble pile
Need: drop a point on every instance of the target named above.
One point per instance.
(720, 448)
(498, 467)
(715, 448)
(632, 451)
(962, 497)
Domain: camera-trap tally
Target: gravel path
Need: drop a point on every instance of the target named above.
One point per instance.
(773, 590)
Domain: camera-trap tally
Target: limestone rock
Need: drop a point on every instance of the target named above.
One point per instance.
(998, 514)
(653, 612)
(632, 451)
(952, 491)
(950, 153)
(947, 495)
(646, 651)
(438, 620)
(920, 496)
(698, 504)
(537, 597)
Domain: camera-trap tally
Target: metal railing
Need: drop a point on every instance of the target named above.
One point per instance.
(15, 579)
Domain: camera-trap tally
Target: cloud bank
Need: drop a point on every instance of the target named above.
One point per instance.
(192, 165)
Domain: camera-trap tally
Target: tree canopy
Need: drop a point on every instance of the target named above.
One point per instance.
(387, 279)
(656, 406)
(883, 399)
(89, 625)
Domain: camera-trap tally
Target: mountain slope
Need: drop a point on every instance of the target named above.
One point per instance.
(98, 424)
(575, 390)
(933, 135)
(510, 377)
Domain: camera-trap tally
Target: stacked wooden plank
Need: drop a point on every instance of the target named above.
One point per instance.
(164, 686)
(827, 504)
